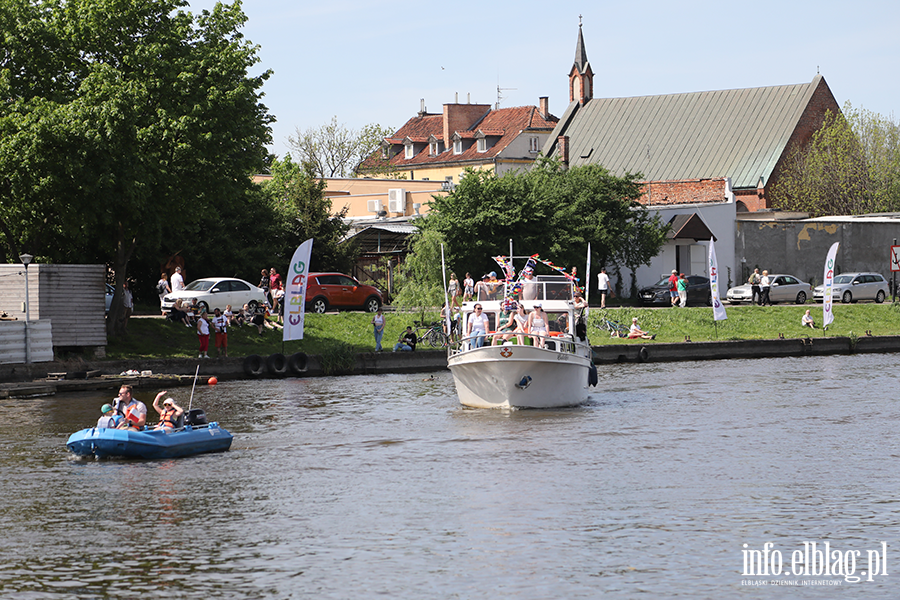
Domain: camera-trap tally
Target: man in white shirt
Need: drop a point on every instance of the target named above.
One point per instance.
(177, 280)
(134, 411)
(603, 286)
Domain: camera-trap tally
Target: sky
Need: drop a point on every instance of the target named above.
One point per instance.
(369, 62)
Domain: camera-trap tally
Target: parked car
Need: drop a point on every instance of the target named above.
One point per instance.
(216, 292)
(852, 287)
(782, 288)
(325, 290)
(658, 293)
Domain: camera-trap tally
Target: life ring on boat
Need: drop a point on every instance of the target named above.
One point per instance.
(276, 364)
(643, 355)
(592, 376)
(298, 363)
(253, 365)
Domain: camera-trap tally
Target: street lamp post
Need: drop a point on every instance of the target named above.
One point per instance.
(26, 260)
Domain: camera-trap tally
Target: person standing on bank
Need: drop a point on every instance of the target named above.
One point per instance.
(764, 289)
(603, 286)
(682, 291)
(162, 288)
(203, 335)
(177, 280)
(378, 325)
(754, 286)
(673, 287)
(128, 301)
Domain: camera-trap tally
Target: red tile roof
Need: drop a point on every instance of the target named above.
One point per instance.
(505, 123)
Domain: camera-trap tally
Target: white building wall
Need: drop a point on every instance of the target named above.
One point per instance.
(720, 219)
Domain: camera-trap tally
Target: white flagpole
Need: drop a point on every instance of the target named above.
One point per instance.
(447, 308)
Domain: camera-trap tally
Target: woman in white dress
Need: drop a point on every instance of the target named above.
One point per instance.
(537, 325)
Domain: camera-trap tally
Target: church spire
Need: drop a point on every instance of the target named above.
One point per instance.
(581, 77)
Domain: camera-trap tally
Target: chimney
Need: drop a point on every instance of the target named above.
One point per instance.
(460, 117)
(563, 143)
(422, 110)
(544, 103)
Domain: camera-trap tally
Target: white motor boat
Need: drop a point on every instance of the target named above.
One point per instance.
(514, 375)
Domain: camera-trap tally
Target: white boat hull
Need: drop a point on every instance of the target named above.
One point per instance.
(487, 377)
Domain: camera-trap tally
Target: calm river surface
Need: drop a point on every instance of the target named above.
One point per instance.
(385, 487)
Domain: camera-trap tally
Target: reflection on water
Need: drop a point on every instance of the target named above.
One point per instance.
(362, 487)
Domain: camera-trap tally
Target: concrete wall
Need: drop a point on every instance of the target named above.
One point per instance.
(800, 247)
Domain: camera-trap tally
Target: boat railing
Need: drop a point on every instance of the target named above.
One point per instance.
(563, 343)
(545, 287)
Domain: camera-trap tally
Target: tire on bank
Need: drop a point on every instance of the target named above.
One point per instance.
(253, 366)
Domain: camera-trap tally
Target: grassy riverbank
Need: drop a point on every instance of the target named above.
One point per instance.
(157, 338)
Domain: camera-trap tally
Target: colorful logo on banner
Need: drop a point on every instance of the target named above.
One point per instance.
(295, 292)
(718, 309)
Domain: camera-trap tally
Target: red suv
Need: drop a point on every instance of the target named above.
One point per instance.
(325, 290)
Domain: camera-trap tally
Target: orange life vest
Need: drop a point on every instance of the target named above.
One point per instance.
(131, 415)
(167, 419)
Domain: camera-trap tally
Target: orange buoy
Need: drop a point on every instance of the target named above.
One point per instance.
(213, 381)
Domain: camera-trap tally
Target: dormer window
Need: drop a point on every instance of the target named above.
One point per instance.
(457, 146)
(482, 145)
(409, 151)
(534, 144)
(433, 149)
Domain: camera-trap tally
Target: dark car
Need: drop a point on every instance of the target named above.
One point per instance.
(658, 293)
(325, 290)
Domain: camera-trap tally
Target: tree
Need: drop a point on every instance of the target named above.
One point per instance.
(851, 165)
(549, 210)
(300, 196)
(333, 150)
(143, 120)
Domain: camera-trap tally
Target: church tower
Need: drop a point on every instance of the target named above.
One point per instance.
(581, 77)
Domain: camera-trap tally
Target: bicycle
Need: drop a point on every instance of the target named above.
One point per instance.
(614, 328)
(433, 334)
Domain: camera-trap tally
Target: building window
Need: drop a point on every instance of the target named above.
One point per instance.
(409, 151)
(384, 152)
(457, 147)
(534, 144)
(432, 148)
(482, 145)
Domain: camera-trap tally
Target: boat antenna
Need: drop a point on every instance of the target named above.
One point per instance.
(193, 387)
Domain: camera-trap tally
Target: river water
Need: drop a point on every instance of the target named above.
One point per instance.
(385, 487)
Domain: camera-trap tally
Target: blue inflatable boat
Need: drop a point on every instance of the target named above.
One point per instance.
(197, 437)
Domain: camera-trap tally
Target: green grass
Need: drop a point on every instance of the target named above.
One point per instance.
(157, 338)
(749, 322)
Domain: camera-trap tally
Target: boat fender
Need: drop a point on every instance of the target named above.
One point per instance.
(298, 363)
(592, 376)
(524, 382)
(276, 364)
(643, 354)
(253, 365)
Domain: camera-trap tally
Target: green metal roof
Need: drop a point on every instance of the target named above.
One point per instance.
(701, 135)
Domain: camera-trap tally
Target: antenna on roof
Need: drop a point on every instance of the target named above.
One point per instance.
(500, 91)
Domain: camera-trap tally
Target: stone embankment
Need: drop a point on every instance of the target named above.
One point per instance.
(41, 379)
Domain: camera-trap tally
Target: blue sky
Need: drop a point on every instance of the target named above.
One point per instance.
(371, 62)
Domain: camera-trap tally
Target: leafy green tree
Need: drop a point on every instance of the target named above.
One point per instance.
(123, 123)
(299, 194)
(850, 166)
(419, 279)
(334, 150)
(549, 210)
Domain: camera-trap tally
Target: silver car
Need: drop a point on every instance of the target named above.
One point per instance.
(852, 287)
(782, 288)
